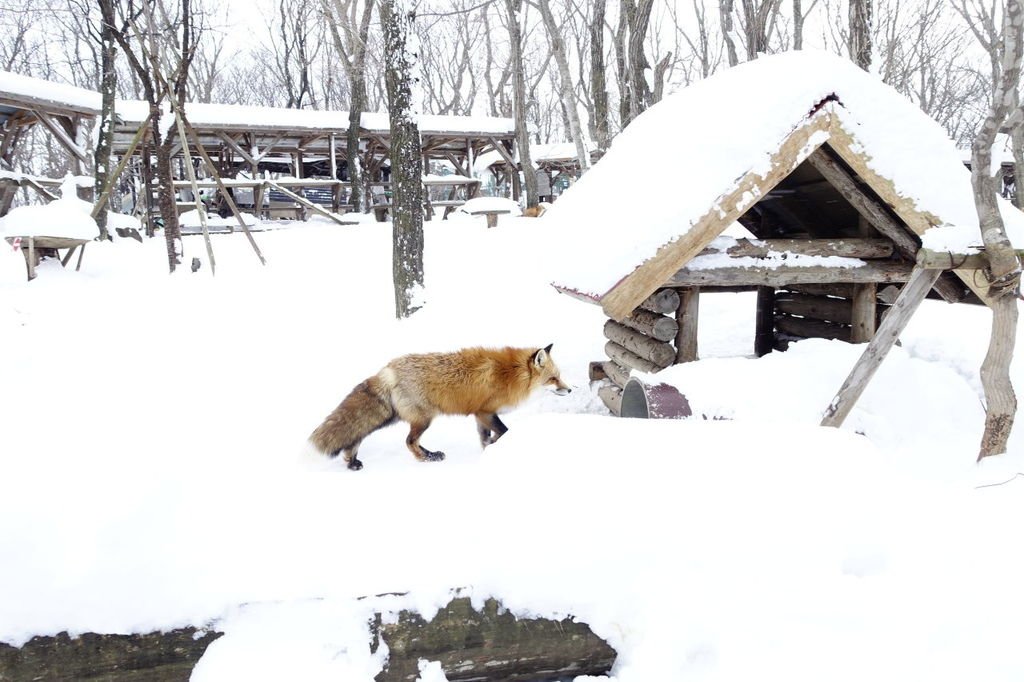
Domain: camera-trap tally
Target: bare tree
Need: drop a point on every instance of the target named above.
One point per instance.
(725, 8)
(160, 44)
(513, 9)
(406, 159)
(566, 91)
(108, 90)
(759, 20)
(1004, 267)
(298, 42)
(350, 30)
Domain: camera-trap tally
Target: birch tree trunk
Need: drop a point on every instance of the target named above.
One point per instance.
(860, 33)
(565, 93)
(598, 84)
(406, 160)
(353, 59)
(513, 9)
(725, 15)
(798, 25)
(1004, 268)
(108, 91)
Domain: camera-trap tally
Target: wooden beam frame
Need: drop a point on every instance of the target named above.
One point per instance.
(783, 275)
(62, 136)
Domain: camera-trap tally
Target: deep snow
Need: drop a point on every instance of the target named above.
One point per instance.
(155, 473)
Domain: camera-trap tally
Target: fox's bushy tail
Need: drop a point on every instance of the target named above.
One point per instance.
(367, 408)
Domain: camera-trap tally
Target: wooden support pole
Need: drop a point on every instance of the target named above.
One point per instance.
(687, 317)
(303, 201)
(844, 248)
(200, 208)
(101, 201)
(764, 327)
(902, 310)
(864, 313)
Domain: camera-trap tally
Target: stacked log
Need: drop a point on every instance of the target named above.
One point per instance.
(827, 311)
(641, 342)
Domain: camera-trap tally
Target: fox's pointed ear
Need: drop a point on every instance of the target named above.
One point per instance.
(547, 348)
(540, 358)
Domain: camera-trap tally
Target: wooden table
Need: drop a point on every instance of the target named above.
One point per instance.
(492, 215)
(29, 245)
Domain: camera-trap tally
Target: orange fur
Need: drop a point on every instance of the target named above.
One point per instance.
(417, 388)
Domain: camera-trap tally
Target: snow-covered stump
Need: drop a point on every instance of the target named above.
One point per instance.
(490, 645)
(658, 401)
(152, 657)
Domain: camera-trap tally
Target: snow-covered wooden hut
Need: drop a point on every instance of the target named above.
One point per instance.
(65, 111)
(844, 188)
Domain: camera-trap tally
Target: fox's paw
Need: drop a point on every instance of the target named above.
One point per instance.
(429, 456)
(355, 465)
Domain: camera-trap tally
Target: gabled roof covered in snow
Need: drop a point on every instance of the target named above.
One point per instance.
(21, 92)
(724, 143)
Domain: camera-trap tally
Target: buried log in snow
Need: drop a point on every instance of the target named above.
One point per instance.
(491, 644)
(660, 401)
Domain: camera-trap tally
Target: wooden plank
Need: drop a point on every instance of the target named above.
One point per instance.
(895, 321)
(657, 352)
(62, 136)
(764, 328)
(784, 275)
(809, 328)
(687, 318)
(299, 199)
(643, 281)
(844, 248)
(864, 312)
(816, 307)
(944, 260)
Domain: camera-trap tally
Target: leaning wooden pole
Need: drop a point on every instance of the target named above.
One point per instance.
(113, 177)
(921, 282)
(222, 188)
(191, 172)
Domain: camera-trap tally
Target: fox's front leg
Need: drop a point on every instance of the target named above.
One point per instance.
(490, 428)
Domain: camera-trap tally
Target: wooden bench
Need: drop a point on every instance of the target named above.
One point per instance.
(31, 246)
(492, 215)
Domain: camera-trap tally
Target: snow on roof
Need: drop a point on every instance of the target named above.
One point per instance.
(555, 151)
(429, 123)
(37, 90)
(694, 146)
(67, 217)
(242, 115)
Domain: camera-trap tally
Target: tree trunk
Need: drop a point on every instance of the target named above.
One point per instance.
(108, 90)
(725, 14)
(514, 7)
(406, 160)
(566, 93)
(639, 90)
(598, 85)
(860, 33)
(165, 190)
(1004, 275)
(798, 26)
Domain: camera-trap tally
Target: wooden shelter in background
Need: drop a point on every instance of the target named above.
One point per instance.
(64, 112)
(820, 196)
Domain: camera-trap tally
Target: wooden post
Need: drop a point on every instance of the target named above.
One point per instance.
(764, 334)
(334, 156)
(687, 315)
(200, 208)
(864, 313)
(921, 282)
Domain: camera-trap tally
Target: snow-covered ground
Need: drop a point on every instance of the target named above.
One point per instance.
(154, 473)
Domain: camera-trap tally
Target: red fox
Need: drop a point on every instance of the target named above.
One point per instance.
(417, 388)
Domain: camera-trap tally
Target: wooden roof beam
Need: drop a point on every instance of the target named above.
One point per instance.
(233, 144)
(62, 136)
(907, 243)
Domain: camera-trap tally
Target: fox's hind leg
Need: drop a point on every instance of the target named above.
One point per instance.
(413, 441)
(489, 427)
(350, 457)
